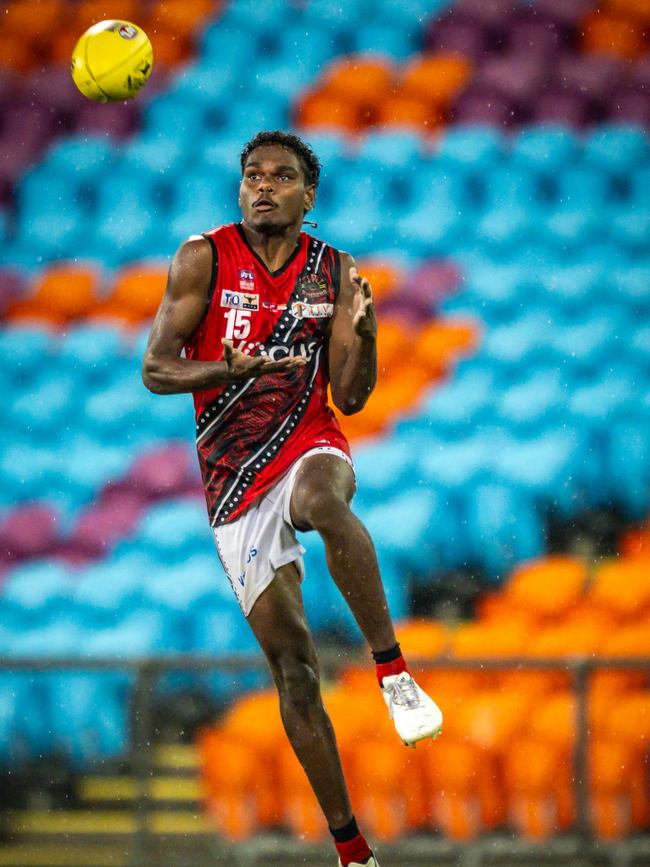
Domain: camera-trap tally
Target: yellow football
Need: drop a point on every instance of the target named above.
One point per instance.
(112, 61)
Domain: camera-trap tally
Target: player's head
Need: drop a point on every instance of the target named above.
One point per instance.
(280, 174)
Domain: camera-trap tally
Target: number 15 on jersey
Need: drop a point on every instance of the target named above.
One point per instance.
(238, 324)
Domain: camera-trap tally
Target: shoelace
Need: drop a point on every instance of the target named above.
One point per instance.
(405, 693)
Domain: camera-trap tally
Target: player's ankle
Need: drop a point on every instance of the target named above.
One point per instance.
(389, 662)
(350, 843)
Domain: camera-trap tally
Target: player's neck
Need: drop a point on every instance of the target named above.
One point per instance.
(273, 250)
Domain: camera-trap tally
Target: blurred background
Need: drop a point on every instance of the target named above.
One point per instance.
(488, 164)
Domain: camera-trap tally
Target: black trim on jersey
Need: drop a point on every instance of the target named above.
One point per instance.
(215, 268)
(277, 273)
(336, 271)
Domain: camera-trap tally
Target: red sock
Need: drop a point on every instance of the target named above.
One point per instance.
(385, 669)
(356, 849)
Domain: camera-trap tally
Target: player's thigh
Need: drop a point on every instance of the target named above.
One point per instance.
(279, 622)
(321, 482)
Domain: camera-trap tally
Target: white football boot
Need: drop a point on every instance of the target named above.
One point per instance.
(372, 862)
(415, 715)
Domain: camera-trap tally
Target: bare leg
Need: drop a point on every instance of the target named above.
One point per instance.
(320, 501)
(279, 623)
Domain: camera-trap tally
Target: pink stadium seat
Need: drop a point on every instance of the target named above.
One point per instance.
(29, 531)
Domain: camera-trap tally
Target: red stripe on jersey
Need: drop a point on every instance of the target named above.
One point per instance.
(249, 433)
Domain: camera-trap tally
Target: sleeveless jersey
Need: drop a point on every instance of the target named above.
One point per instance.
(250, 432)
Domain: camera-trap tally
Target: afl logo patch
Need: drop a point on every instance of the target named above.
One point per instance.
(312, 288)
(127, 31)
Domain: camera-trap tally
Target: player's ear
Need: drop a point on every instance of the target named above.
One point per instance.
(310, 196)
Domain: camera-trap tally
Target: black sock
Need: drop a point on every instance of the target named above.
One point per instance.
(389, 655)
(347, 832)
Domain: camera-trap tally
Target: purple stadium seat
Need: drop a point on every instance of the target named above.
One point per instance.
(102, 525)
(117, 119)
(490, 13)
(167, 471)
(516, 76)
(29, 531)
(13, 285)
(560, 107)
(433, 281)
(538, 39)
(409, 309)
(478, 105)
(454, 35)
(638, 74)
(564, 11)
(52, 87)
(629, 106)
(593, 77)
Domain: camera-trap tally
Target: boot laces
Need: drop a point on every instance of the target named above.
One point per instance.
(405, 693)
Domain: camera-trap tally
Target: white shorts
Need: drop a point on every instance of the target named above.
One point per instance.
(255, 545)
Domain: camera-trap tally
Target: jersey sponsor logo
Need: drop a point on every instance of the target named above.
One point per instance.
(312, 288)
(299, 349)
(302, 310)
(246, 280)
(274, 308)
(240, 300)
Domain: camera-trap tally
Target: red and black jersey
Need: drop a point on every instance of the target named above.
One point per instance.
(250, 432)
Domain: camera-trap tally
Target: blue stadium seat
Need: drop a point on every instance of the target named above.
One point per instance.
(629, 226)
(518, 342)
(401, 525)
(87, 157)
(387, 38)
(571, 287)
(95, 353)
(631, 287)
(498, 289)
(588, 342)
(400, 149)
(504, 226)
(173, 531)
(472, 148)
(462, 402)
(503, 527)
(581, 187)
(107, 591)
(116, 409)
(599, 404)
(35, 593)
(544, 150)
(628, 466)
(617, 148)
(530, 405)
(381, 468)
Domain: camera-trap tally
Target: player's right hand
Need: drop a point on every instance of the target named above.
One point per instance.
(242, 366)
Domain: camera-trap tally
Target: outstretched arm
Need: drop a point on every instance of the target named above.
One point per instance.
(180, 312)
(352, 344)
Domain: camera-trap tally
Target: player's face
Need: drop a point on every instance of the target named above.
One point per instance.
(273, 195)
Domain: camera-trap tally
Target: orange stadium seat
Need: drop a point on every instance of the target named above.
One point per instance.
(358, 79)
(230, 766)
(422, 639)
(404, 110)
(459, 784)
(619, 796)
(436, 78)
(136, 294)
(634, 9)
(392, 340)
(63, 292)
(440, 342)
(181, 17)
(537, 778)
(546, 587)
(17, 54)
(380, 793)
(89, 12)
(28, 18)
(621, 37)
(322, 110)
(384, 277)
(622, 587)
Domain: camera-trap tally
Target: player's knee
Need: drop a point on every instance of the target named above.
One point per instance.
(298, 683)
(326, 510)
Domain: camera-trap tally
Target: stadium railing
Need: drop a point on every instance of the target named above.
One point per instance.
(581, 846)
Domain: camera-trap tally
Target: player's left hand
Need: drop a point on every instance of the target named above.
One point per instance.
(364, 320)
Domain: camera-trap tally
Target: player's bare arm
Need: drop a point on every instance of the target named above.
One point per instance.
(164, 371)
(352, 343)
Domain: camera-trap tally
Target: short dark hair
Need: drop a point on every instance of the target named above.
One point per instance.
(308, 160)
